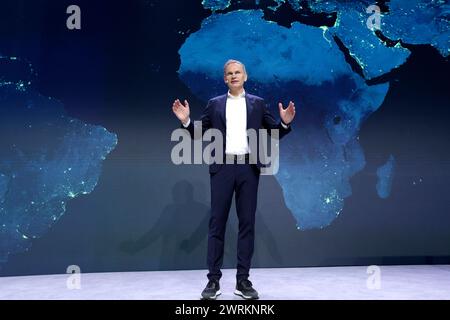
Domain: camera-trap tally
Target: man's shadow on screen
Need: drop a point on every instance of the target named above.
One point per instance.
(182, 231)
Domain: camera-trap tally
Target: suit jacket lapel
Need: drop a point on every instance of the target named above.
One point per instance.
(222, 108)
(249, 105)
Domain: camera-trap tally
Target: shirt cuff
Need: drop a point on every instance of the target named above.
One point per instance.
(187, 123)
(284, 125)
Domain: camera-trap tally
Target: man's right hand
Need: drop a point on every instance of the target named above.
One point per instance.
(181, 111)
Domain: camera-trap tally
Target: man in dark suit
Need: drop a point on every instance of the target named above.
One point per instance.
(233, 114)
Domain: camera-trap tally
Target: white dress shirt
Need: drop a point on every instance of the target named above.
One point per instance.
(236, 124)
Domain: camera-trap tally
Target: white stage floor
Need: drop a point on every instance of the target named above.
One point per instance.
(326, 283)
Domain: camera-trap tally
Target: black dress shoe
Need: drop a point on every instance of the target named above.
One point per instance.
(244, 288)
(211, 291)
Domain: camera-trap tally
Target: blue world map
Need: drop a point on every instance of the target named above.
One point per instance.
(306, 64)
(54, 159)
(57, 158)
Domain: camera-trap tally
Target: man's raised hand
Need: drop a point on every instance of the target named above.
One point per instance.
(181, 111)
(288, 114)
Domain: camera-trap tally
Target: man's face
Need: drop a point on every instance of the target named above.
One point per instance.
(235, 76)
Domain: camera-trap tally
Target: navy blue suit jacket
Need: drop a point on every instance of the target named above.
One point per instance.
(258, 117)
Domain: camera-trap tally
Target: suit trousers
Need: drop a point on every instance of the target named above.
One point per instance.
(242, 181)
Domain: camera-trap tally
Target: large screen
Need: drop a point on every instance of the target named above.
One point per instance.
(87, 172)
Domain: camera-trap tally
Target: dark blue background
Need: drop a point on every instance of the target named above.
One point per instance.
(120, 72)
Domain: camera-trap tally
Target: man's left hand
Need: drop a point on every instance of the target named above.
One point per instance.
(288, 114)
